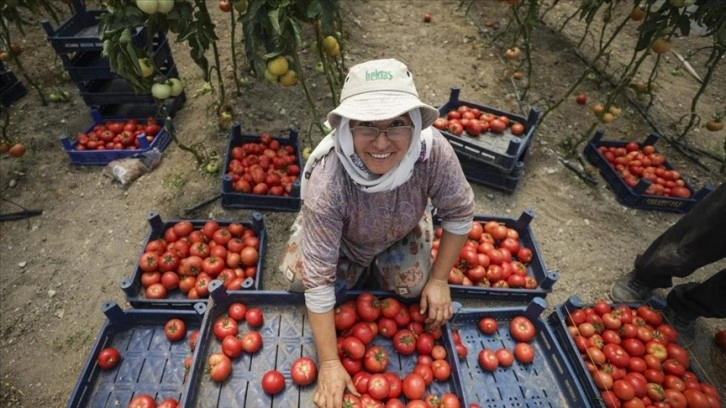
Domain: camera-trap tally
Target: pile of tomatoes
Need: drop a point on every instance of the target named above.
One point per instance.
(474, 122)
(263, 168)
(189, 259)
(358, 322)
(634, 360)
(493, 256)
(118, 135)
(633, 164)
(522, 331)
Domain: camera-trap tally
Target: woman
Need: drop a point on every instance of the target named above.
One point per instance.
(367, 190)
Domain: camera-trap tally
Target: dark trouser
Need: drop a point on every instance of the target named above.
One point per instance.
(696, 240)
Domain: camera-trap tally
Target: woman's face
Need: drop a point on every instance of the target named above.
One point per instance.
(381, 151)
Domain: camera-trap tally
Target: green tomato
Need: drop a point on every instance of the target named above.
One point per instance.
(161, 91)
(147, 67)
(165, 6)
(240, 6)
(306, 153)
(320, 67)
(148, 6)
(270, 77)
(177, 87)
(213, 167)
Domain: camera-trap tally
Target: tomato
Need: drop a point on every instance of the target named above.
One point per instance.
(439, 352)
(505, 357)
(353, 348)
(237, 311)
(251, 342)
(231, 346)
(273, 382)
(224, 326)
(142, 401)
(156, 291)
(488, 360)
(149, 261)
(696, 399)
(183, 228)
(424, 343)
(254, 317)
(461, 351)
(345, 317)
(375, 359)
(220, 366)
(603, 381)
(351, 366)
(524, 255)
(524, 353)
(425, 371)
(413, 386)
(303, 371)
(360, 381)
(441, 370)
(168, 403)
(624, 390)
(405, 343)
(175, 329)
(616, 355)
(378, 386)
(108, 358)
(522, 329)
(193, 340)
(150, 278)
(657, 349)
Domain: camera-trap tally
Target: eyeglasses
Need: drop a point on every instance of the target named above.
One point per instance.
(393, 133)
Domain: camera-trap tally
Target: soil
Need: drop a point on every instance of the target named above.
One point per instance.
(58, 268)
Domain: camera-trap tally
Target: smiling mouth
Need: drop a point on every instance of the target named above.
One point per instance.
(380, 156)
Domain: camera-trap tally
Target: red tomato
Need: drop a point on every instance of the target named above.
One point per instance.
(360, 381)
(220, 366)
(488, 325)
(375, 359)
(193, 340)
(522, 329)
(251, 342)
(273, 382)
(224, 326)
(231, 346)
(524, 353)
(175, 329)
(488, 360)
(237, 311)
(168, 403)
(142, 401)
(353, 348)
(425, 371)
(156, 291)
(439, 352)
(254, 317)
(363, 332)
(441, 370)
(108, 358)
(303, 371)
(413, 386)
(378, 386)
(404, 341)
(345, 317)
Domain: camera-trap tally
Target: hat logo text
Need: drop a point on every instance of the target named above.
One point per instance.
(376, 75)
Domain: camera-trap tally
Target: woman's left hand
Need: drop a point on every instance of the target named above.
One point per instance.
(436, 302)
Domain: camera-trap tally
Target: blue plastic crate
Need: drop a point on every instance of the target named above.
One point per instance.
(549, 381)
(133, 289)
(557, 320)
(484, 174)
(150, 364)
(502, 151)
(10, 88)
(119, 90)
(635, 197)
(80, 31)
(91, 65)
(234, 199)
(536, 268)
(102, 157)
(286, 336)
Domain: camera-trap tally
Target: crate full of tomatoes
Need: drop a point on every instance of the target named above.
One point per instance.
(629, 354)
(109, 140)
(262, 171)
(509, 356)
(141, 356)
(180, 258)
(641, 177)
(495, 139)
(500, 260)
(259, 351)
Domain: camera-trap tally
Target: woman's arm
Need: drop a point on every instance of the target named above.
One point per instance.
(436, 295)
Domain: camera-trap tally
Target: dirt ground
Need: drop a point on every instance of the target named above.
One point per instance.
(57, 269)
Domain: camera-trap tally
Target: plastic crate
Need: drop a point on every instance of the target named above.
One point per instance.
(102, 157)
(489, 176)
(10, 88)
(133, 289)
(119, 90)
(536, 268)
(91, 65)
(286, 336)
(549, 381)
(149, 364)
(635, 197)
(502, 151)
(115, 111)
(234, 199)
(557, 321)
(80, 31)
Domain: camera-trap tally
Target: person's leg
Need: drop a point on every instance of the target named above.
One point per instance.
(693, 300)
(692, 242)
(404, 268)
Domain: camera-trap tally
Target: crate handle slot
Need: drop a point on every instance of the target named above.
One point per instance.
(112, 311)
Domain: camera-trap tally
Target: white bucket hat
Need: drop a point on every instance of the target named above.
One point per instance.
(379, 90)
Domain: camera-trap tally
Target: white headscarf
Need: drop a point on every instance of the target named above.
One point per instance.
(341, 139)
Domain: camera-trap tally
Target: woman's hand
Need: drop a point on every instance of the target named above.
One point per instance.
(332, 382)
(436, 302)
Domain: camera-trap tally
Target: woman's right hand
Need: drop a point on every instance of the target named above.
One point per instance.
(333, 380)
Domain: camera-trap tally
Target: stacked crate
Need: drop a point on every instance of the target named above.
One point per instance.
(78, 45)
(10, 88)
(492, 159)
